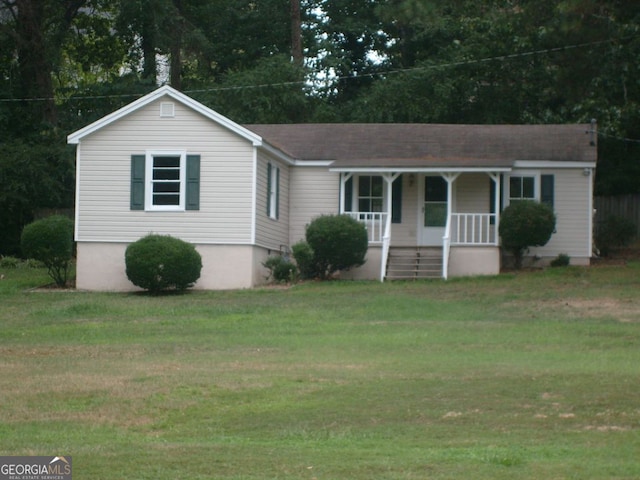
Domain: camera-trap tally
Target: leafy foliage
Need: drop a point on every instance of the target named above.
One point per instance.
(525, 224)
(562, 260)
(160, 262)
(50, 241)
(281, 269)
(339, 242)
(303, 255)
(614, 232)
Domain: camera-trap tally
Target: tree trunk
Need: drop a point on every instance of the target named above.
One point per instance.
(34, 60)
(296, 33)
(175, 69)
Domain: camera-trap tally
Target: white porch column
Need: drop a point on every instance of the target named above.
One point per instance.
(450, 178)
(389, 178)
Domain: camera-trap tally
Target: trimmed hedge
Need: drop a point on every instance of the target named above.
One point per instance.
(525, 224)
(338, 242)
(50, 241)
(160, 262)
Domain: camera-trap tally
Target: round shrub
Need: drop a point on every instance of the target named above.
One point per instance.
(339, 242)
(160, 262)
(525, 224)
(50, 241)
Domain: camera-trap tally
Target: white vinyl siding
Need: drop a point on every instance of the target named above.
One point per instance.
(226, 188)
(571, 205)
(272, 232)
(314, 191)
(472, 193)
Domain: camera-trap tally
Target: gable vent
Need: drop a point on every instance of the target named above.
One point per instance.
(167, 109)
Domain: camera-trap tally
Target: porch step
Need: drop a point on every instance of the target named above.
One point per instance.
(413, 263)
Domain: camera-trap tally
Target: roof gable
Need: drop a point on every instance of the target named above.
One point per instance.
(164, 91)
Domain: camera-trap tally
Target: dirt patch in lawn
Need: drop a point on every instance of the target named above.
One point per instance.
(622, 310)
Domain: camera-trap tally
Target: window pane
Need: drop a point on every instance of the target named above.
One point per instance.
(163, 187)
(515, 187)
(364, 205)
(528, 190)
(364, 186)
(166, 162)
(376, 187)
(166, 199)
(166, 174)
(435, 214)
(376, 205)
(435, 189)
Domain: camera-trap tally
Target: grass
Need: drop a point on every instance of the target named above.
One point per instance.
(519, 376)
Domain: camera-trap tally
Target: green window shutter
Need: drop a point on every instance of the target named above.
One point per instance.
(192, 193)
(277, 193)
(547, 189)
(137, 182)
(348, 195)
(396, 200)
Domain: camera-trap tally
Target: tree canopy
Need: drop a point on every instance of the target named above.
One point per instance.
(65, 63)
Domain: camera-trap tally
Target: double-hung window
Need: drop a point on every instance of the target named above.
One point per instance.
(522, 187)
(165, 181)
(370, 193)
(273, 191)
(539, 188)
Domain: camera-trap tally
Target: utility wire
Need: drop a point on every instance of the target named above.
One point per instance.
(502, 58)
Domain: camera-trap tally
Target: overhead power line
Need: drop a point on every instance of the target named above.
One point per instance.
(445, 65)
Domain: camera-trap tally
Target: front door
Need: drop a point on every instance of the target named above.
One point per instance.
(434, 210)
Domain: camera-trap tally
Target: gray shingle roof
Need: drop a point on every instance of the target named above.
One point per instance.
(430, 145)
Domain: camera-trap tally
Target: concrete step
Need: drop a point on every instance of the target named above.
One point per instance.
(414, 263)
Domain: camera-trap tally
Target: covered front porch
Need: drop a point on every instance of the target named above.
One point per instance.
(422, 219)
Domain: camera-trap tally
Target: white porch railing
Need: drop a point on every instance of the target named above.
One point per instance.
(375, 223)
(473, 229)
(468, 229)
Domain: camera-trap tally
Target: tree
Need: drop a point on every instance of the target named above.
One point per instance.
(37, 29)
(525, 224)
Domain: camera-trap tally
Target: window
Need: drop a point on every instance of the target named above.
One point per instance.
(522, 188)
(165, 181)
(273, 191)
(370, 193)
(540, 188)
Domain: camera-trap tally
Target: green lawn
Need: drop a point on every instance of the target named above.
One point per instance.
(527, 376)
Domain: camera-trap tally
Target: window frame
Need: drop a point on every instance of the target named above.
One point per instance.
(273, 191)
(508, 198)
(150, 155)
(370, 197)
